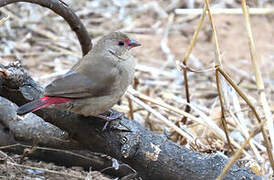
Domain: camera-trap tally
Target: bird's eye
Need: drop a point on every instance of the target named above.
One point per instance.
(121, 43)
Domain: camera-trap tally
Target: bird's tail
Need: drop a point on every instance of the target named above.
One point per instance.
(41, 103)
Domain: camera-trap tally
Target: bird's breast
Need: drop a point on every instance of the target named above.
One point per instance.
(126, 73)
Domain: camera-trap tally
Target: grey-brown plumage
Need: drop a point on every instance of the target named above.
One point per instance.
(98, 80)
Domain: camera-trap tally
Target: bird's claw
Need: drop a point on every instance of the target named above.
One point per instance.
(110, 117)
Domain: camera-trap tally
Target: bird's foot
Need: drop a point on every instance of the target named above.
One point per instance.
(110, 116)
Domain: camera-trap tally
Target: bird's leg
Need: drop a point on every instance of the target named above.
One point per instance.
(110, 115)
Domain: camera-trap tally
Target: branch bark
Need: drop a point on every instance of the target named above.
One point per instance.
(152, 155)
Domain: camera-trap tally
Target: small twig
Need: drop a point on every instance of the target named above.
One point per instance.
(187, 109)
(260, 83)
(130, 114)
(3, 20)
(183, 67)
(9, 146)
(225, 11)
(28, 151)
(238, 153)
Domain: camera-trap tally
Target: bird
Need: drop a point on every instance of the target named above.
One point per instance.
(95, 83)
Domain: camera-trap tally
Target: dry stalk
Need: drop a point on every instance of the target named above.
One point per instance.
(187, 109)
(214, 32)
(223, 110)
(219, 62)
(225, 11)
(195, 36)
(244, 97)
(259, 82)
(186, 57)
(9, 146)
(238, 153)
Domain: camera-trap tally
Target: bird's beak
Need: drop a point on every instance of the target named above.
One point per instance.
(133, 43)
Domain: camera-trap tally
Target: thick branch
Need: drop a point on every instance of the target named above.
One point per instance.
(152, 155)
(63, 10)
(31, 129)
(18, 133)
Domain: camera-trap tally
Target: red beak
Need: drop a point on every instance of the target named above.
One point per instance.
(132, 43)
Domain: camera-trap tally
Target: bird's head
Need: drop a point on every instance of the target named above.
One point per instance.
(117, 43)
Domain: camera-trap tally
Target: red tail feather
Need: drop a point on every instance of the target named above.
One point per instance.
(41, 103)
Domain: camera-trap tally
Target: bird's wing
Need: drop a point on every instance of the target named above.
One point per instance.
(99, 80)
